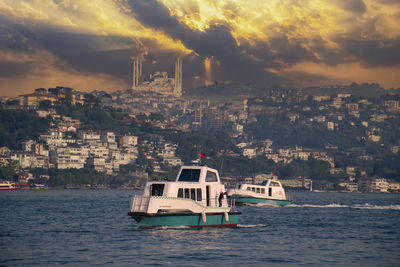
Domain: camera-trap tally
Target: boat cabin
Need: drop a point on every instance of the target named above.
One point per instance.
(199, 183)
(268, 188)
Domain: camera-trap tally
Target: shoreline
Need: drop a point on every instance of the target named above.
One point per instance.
(138, 188)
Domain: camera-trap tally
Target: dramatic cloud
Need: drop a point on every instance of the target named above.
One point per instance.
(355, 6)
(88, 44)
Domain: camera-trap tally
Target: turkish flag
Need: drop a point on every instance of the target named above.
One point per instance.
(202, 155)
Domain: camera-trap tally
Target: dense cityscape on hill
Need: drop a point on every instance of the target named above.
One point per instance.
(336, 138)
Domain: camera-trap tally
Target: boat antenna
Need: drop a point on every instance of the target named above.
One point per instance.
(222, 164)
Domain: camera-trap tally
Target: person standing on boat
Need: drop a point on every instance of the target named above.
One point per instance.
(220, 198)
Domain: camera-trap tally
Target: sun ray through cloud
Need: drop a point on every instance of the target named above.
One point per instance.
(265, 42)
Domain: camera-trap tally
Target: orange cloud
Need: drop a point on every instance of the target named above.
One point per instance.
(84, 43)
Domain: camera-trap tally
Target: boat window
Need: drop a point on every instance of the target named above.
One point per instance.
(274, 184)
(248, 188)
(187, 193)
(198, 194)
(253, 189)
(157, 189)
(262, 190)
(258, 190)
(193, 194)
(180, 192)
(189, 175)
(211, 177)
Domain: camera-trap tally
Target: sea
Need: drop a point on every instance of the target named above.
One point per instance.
(92, 228)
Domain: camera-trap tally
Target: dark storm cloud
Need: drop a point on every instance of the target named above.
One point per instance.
(12, 41)
(372, 53)
(14, 37)
(79, 52)
(215, 41)
(90, 53)
(390, 2)
(308, 79)
(355, 6)
(235, 59)
(290, 52)
(249, 61)
(14, 69)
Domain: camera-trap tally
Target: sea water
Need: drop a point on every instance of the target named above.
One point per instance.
(92, 228)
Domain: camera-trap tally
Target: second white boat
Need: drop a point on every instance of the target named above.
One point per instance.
(270, 191)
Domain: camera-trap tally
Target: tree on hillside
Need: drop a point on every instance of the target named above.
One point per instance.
(17, 126)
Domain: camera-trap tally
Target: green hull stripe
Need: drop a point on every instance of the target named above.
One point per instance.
(253, 200)
(194, 220)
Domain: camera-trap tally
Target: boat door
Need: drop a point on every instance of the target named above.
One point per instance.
(269, 191)
(157, 189)
(208, 197)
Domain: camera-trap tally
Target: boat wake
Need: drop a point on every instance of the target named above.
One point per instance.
(357, 206)
(267, 205)
(178, 227)
(250, 225)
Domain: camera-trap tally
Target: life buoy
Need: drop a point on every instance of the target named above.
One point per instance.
(203, 217)
(226, 216)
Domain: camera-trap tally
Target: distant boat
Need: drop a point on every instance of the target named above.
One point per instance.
(196, 199)
(8, 186)
(269, 192)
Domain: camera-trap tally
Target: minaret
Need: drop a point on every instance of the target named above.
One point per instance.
(178, 77)
(137, 71)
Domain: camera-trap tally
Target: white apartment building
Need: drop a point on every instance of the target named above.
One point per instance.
(99, 164)
(99, 151)
(285, 152)
(127, 158)
(69, 157)
(28, 159)
(250, 152)
(379, 185)
(173, 161)
(374, 138)
(107, 137)
(68, 161)
(129, 140)
(54, 138)
(330, 125)
(88, 136)
(272, 156)
(168, 150)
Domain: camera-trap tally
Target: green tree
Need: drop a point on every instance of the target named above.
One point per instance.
(45, 104)
(17, 126)
(8, 172)
(156, 117)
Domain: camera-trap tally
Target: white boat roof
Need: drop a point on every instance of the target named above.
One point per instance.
(197, 174)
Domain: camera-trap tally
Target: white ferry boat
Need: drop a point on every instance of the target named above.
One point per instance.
(269, 191)
(8, 186)
(196, 199)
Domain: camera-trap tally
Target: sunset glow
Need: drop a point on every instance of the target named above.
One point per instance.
(87, 44)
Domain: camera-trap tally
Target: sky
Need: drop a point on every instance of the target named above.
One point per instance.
(88, 45)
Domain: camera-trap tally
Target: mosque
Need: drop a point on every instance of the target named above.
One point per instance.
(158, 82)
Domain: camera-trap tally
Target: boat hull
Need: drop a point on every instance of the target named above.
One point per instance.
(242, 200)
(192, 220)
(9, 189)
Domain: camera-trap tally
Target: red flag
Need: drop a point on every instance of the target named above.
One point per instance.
(272, 174)
(202, 155)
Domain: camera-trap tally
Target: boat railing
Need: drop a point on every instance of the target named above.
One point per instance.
(289, 196)
(140, 203)
(232, 204)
